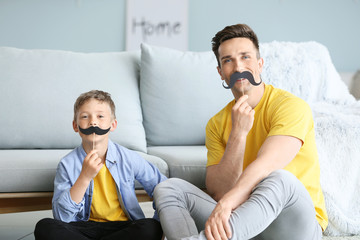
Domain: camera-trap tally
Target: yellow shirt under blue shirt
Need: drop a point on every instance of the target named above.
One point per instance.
(105, 205)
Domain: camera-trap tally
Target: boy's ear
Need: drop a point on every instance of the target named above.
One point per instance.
(113, 125)
(75, 126)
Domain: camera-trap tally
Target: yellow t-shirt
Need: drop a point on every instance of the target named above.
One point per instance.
(278, 113)
(105, 205)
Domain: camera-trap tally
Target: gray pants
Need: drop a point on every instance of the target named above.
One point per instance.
(279, 208)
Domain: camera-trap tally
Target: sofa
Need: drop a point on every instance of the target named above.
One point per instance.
(164, 99)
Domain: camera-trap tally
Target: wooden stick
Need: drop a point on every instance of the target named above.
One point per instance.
(94, 141)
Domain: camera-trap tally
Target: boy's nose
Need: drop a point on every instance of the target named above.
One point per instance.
(93, 122)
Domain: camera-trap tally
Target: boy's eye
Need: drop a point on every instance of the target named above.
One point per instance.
(83, 117)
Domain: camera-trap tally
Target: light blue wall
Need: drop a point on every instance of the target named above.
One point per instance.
(99, 25)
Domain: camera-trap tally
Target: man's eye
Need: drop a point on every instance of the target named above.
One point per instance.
(101, 116)
(83, 117)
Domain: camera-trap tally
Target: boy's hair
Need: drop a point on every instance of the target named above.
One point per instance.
(94, 94)
(234, 31)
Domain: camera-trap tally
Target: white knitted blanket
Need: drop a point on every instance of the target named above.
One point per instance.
(306, 70)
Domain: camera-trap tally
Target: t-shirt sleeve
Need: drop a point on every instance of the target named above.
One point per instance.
(291, 117)
(214, 144)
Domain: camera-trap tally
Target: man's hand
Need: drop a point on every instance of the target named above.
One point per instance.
(91, 165)
(217, 226)
(242, 116)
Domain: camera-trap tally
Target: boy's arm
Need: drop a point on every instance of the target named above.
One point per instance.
(63, 207)
(68, 201)
(91, 166)
(148, 175)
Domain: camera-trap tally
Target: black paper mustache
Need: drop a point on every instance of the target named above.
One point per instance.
(238, 75)
(92, 129)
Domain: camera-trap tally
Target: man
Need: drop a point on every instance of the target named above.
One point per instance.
(263, 172)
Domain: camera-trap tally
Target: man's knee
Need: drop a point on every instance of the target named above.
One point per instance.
(167, 187)
(282, 179)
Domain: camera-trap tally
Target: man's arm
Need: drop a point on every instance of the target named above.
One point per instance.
(220, 178)
(275, 153)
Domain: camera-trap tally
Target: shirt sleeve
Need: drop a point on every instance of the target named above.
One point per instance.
(146, 173)
(214, 144)
(63, 207)
(291, 117)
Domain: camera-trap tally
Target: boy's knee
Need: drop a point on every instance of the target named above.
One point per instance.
(42, 228)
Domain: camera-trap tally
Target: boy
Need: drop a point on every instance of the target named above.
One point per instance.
(94, 195)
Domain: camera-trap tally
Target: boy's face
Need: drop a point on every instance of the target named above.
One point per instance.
(94, 113)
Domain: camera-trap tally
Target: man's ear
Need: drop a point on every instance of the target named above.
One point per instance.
(261, 64)
(113, 125)
(220, 73)
(75, 126)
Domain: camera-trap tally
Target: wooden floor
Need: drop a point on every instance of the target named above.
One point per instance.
(35, 201)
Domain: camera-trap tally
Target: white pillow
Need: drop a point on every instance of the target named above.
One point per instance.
(39, 88)
(180, 92)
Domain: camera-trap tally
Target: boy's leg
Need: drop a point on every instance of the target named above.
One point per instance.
(183, 208)
(147, 228)
(52, 229)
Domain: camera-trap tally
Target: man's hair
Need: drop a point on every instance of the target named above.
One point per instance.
(94, 94)
(234, 31)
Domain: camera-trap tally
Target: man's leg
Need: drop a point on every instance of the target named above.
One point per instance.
(183, 208)
(279, 208)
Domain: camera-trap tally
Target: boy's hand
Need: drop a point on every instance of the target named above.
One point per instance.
(91, 165)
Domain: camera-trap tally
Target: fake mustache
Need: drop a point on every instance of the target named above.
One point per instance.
(92, 129)
(239, 75)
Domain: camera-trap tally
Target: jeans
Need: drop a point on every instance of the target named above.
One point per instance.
(279, 208)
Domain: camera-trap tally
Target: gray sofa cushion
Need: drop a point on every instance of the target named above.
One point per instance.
(185, 162)
(180, 92)
(34, 170)
(39, 88)
(29, 170)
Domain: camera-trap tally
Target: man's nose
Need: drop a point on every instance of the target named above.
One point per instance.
(239, 66)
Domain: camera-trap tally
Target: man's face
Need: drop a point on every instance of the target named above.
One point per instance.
(238, 55)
